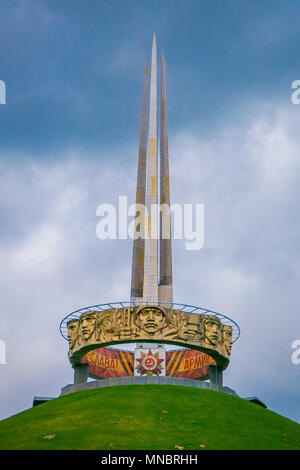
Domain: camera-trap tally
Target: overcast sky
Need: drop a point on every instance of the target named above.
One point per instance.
(69, 141)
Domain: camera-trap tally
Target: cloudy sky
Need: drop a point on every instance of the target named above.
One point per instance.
(69, 141)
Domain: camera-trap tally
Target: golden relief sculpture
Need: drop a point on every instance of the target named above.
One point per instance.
(149, 323)
(227, 339)
(74, 334)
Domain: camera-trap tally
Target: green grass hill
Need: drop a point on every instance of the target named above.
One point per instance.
(148, 417)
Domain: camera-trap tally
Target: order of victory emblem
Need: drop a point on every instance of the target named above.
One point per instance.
(149, 362)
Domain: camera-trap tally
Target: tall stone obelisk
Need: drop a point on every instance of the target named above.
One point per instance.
(137, 277)
(150, 290)
(144, 283)
(165, 288)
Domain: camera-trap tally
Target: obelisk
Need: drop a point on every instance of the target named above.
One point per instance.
(137, 277)
(144, 282)
(150, 290)
(165, 288)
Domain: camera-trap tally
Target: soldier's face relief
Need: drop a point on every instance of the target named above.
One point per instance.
(227, 339)
(72, 333)
(212, 331)
(106, 324)
(151, 320)
(87, 325)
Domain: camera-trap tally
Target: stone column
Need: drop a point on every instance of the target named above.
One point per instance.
(150, 287)
(137, 277)
(216, 375)
(165, 288)
(81, 373)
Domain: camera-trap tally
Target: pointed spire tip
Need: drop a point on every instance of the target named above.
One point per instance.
(154, 40)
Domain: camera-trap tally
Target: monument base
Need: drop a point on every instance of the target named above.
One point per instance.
(145, 381)
(116, 382)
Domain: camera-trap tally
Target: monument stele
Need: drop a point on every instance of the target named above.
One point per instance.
(204, 337)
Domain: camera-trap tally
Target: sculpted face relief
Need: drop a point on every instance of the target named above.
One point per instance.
(227, 338)
(73, 332)
(87, 325)
(104, 327)
(151, 320)
(212, 331)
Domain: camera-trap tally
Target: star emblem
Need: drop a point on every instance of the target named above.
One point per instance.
(149, 364)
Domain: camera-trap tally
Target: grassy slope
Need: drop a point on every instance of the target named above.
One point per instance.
(149, 417)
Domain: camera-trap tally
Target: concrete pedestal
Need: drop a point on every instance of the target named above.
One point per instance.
(81, 373)
(216, 375)
(144, 381)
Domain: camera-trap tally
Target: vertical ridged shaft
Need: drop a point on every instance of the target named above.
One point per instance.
(137, 277)
(144, 281)
(166, 281)
(150, 290)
